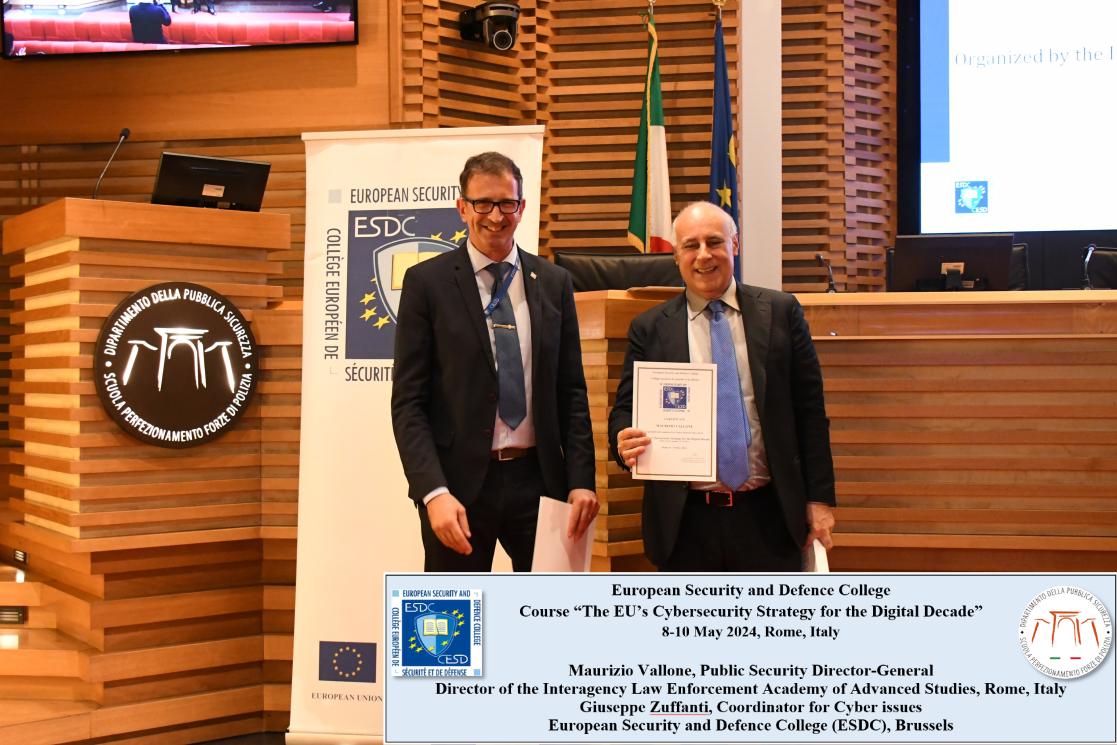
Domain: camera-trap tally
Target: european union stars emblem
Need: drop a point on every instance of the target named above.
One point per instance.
(971, 197)
(347, 662)
(435, 633)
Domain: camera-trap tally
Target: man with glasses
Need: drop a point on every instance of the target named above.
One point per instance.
(489, 402)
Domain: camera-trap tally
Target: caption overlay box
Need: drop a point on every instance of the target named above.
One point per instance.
(758, 658)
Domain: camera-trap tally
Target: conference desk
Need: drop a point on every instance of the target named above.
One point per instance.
(971, 431)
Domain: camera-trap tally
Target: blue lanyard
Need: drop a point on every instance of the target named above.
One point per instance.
(500, 292)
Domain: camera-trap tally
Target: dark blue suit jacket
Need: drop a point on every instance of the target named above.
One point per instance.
(444, 391)
(147, 21)
(787, 382)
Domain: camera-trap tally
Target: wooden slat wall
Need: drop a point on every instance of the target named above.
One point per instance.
(967, 435)
(839, 141)
(448, 82)
(206, 95)
(32, 175)
(165, 577)
(596, 65)
(869, 126)
(813, 166)
(972, 434)
(578, 68)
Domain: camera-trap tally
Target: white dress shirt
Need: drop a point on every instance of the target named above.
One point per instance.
(503, 435)
(698, 336)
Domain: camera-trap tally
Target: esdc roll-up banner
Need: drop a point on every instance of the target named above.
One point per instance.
(376, 204)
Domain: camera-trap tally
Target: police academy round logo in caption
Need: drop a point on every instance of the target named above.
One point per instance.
(1065, 632)
(175, 365)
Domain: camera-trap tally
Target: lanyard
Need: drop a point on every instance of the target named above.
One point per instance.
(500, 292)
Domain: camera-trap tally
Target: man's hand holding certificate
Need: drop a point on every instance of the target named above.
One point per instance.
(672, 437)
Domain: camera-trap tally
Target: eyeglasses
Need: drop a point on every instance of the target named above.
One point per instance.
(485, 206)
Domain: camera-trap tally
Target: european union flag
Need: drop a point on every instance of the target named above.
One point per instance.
(723, 145)
(347, 662)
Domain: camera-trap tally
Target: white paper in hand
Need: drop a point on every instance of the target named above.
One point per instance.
(814, 558)
(554, 552)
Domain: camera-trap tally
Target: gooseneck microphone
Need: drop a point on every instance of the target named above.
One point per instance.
(124, 133)
(822, 261)
(1086, 254)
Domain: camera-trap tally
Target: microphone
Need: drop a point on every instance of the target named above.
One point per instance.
(124, 134)
(1088, 252)
(822, 261)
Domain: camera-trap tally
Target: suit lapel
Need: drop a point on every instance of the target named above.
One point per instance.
(758, 332)
(534, 295)
(672, 330)
(471, 301)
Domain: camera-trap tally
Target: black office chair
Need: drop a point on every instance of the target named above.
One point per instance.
(1099, 268)
(1018, 267)
(596, 270)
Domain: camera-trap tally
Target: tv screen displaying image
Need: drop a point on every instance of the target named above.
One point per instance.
(32, 28)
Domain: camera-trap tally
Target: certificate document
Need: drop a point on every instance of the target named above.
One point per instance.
(673, 403)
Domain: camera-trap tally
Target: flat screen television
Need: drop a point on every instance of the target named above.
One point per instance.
(976, 261)
(206, 181)
(33, 29)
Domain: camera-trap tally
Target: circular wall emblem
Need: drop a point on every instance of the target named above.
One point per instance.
(1065, 632)
(175, 365)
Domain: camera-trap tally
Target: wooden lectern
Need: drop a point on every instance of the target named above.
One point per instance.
(144, 590)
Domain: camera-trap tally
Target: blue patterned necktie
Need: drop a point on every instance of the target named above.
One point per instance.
(512, 403)
(734, 436)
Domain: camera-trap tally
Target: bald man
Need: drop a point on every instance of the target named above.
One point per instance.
(775, 488)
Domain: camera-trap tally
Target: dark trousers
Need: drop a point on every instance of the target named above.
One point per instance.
(506, 510)
(750, 536)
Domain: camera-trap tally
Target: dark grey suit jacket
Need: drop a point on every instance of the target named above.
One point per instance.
(444, 390)
(787, 382)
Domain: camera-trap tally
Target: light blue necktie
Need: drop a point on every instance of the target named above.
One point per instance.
(734, 436)
(512, 403)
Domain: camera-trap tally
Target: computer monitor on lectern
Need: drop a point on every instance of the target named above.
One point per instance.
(207, 181)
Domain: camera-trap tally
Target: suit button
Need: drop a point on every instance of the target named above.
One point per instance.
(487, 433)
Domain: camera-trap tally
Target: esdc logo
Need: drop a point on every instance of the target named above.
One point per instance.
(436, 633)
(971, 197)
(1065, 632)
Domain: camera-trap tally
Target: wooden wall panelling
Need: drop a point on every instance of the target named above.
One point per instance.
(594, 70)
(279, 333)
(869, 57)
(603, 319)
(152, 561)
(981, 442)
(449, 82)
(839, 145)
(37, 174)
(205, 94)
(813, 162)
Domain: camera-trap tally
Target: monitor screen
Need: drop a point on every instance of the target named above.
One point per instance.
(976, 261)
(33, 29)
(205, 181)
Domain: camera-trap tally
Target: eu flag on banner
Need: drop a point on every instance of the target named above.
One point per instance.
(347, 662)
(723, 145)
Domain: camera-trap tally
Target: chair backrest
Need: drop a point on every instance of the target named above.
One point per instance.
(1103, 268)
(594, 270)
(1018, 267)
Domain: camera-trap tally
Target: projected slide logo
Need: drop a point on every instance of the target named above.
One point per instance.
(971, 197)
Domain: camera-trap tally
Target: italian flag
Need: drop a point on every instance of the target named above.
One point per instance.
(649, 217)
